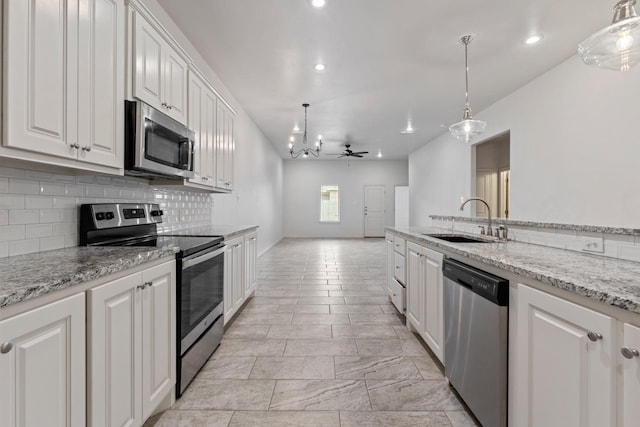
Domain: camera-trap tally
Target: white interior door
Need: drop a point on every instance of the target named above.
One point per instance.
(374, 217)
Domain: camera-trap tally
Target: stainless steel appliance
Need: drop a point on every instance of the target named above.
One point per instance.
(155, 144)
(476, 332)
(199, 274)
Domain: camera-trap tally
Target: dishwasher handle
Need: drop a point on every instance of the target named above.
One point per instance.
(488, 286)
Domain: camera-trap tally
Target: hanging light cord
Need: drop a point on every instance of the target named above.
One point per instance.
(304, 136)
(466, 40)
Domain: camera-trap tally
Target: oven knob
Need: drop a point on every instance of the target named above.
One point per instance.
(109, 215)
(100, 216)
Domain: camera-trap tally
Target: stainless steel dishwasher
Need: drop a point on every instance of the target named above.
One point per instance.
(476, 332)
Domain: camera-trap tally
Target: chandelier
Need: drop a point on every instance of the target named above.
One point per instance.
(305, 150)
(468, 128)
(615, 47)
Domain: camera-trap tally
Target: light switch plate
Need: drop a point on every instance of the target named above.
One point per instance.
(593, 244)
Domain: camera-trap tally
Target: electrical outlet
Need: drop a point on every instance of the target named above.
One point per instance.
(593, 244)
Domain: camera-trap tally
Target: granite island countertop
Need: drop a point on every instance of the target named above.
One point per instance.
(608, 280)
(24, 277)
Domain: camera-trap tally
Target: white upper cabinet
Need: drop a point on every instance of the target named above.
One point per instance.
(160, 74)
(225, 147)
(64, 69)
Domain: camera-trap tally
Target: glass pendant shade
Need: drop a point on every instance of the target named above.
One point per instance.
(616, 47)
(467, 129)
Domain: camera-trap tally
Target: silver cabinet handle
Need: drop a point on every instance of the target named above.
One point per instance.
(86, 148)
(75, 145)
(395, 295)
(5, 347)
(141, 287)
(629, 353)
(165, 105)
(170, 107)
(147, 284)
(397, 267)
(594, 336)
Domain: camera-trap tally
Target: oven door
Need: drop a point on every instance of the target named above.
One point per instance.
(200, 294)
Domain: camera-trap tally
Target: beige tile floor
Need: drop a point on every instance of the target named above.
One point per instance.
(319, 345)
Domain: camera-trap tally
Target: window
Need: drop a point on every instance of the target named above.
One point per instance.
(329, 203)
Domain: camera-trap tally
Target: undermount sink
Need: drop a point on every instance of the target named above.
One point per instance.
(456, 238)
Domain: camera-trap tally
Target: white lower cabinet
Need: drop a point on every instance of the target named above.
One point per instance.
(250, 263)
(233, 277)
(42, 366)
(425, 310)
(131, 348)
(630, 355)
(565, 363)
(390, 260)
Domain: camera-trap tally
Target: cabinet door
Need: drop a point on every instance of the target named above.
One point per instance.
(101, 82)
(220, 146)
(148, 73)
(115, 342)
(250, 263)
(229, 308)
(415, 286)
(229, 150)
(563, 377)
(238, 274)
(43, 374)
(208, 146)
(631, 378)
(433, 332)
(175, 84)
(195, 119)
(40, 63)
(390, 262)
(400, 268)
(158, 335)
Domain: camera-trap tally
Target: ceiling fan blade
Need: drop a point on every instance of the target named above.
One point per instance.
(360, 152)
(356, 155)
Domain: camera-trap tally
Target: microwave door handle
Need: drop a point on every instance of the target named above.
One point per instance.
(198, 259)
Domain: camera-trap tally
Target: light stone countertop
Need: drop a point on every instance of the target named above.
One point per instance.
(225, 231)
(607, 280)
(28, 276)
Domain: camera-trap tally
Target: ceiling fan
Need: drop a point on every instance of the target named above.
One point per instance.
(349, 153)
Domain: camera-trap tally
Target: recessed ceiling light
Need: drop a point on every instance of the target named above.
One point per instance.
(409, 129)
(379, 153)
(320, 67)
(533, 39)
(318, 3)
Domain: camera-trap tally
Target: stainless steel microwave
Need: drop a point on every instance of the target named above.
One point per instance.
(155, 144)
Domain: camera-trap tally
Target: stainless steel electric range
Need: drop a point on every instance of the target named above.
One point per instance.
(199, 274)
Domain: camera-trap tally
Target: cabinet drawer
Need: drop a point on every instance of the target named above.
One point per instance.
(399, 268)
(397, 295)
(400, 244)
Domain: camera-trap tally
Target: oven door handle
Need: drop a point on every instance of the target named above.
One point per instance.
(197, 259)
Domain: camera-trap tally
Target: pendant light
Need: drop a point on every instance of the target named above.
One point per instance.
(305, 150)
(468, 128)
(616, 47)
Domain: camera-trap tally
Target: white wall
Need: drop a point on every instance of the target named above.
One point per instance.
(302, 181)
(574, 151)
(257, 197)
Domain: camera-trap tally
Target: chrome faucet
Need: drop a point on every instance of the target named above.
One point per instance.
(478, 199)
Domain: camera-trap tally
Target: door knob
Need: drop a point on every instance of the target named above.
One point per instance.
(5, 347)
(594, 336)
(629, 353)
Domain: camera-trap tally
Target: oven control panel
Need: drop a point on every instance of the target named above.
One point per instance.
(108, 215)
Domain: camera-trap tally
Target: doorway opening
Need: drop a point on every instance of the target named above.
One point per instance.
(493, 176)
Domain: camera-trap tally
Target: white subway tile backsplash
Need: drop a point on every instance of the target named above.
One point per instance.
(4, 249)
(23, 186)
(39, 210)
(50, 243)
(38, 230)
(24, 216)
(51, 215)
(11, 232)
(75, 190)
(38, 202)
(51, 188)
(21, 247)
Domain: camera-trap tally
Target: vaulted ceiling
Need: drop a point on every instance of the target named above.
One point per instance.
(388, 62)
